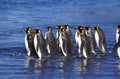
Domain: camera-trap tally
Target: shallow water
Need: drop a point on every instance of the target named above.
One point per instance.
(16, 15)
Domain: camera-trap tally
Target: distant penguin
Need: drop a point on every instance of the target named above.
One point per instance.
(100, 39)
(64, 43)
(29, 42)
(91, 38)
(50, 42)
(117, 45)
(70, 37)
(58, 33)
(39, 44)
(117, 33)
(77, 34)
(78, 40)
(85, 44)
(58, 38)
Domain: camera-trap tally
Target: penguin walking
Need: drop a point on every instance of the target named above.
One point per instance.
(70, 38)
(117, 45)
(39, 44)
(50, 42)
(78, 40)
(29, 42)
(117, 33)
(100, 39)
(58, 37)
(85, 44)
(65, 43)
(91, 38)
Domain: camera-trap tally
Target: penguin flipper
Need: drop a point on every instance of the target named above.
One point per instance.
(115, 48)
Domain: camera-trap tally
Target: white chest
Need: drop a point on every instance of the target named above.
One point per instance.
(117, 35)
(26, 45)
(76, 37)
(97, 38)
(35, 43)
(118, 51)
(60, 39)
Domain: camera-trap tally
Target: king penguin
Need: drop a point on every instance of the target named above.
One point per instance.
(100, 39)
(39, 44)
(117, 45)
(58, 33)
(91, 38)
(29, 42)
(85, 46)
(64, 43)
(50, 42)
(117, 33)
(58, 37)
(70, 37)
(78, 39)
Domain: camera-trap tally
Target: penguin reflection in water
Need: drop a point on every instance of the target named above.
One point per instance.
(117, 45)
(100, 39)
(65, 43)
(50, 42)
(29, 42)
(39, 44)
(85, 44)
(91, 38)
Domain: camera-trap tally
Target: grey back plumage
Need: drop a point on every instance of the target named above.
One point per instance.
(51, 41)
(70, 39)
(102, 39)
(41, 44)
(30, 41)
(91, 38)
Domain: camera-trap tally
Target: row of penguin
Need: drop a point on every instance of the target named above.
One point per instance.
(86, 40)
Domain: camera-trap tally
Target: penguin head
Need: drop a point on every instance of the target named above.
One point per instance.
(28, 30)
(118, 26)
(49, 28)
(96, 28)
(62, 30)
(67, 26)
(87, 28)
(37, 31)
(79, 27)
(59, 27)
(81, 30)
(119, 31)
